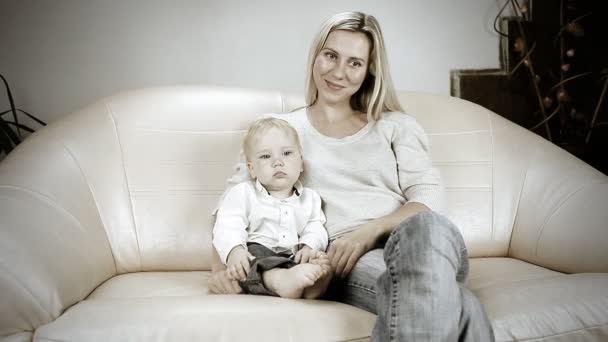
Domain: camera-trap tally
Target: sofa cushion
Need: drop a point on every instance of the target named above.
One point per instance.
(19, 337)
(529, 303)
(175, 306)
(153, 284)
(487, 272)
(523, 301)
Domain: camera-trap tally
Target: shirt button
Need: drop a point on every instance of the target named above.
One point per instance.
(285, 212)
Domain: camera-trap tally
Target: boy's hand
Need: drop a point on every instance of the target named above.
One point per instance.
(238, 263)
(221, 283)
(306, 254)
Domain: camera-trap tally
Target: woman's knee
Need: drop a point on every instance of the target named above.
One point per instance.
(426, 226)
(429, 232)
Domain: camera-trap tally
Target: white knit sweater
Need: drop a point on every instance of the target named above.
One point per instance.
(368, 174)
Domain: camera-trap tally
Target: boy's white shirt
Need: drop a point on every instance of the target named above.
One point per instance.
(248, 213)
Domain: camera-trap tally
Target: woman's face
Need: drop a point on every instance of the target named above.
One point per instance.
(341, 66)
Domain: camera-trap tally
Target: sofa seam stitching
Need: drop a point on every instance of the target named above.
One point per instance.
(47, 199)
(69, 152)
(519, 197)
(491, 131)
(111, 116)
(565, 332)
(27, 290)
(53, 203)
(550, 216)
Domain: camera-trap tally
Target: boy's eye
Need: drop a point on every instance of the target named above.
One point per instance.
(264, 156)
(287, 153)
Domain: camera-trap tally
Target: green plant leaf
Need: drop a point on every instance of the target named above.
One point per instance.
(22, 126)
(42, 123)
(11, 136)
(6, 144)
(11, 102)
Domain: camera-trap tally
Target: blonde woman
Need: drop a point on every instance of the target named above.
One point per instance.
(390, 251)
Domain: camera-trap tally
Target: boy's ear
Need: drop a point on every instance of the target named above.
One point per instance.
(250, 169)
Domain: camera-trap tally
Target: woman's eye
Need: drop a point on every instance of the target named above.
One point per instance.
(330, 55)
(265, 156)
(357, 64)
(287, 153)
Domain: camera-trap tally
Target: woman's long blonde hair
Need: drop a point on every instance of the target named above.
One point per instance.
(377, 93)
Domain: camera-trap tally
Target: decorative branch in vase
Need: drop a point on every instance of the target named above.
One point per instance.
(563, 74)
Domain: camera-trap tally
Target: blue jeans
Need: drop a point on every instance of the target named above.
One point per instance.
(415, 285)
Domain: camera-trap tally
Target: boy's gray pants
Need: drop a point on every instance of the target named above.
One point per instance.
(265, 259)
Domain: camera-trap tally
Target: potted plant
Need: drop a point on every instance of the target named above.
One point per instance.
(11, 130)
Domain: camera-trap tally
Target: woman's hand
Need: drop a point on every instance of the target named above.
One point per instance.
(220, 283)
(345, 251)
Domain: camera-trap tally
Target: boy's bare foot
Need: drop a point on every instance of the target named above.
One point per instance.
(321, 259)
(318, 288)
(291, 282)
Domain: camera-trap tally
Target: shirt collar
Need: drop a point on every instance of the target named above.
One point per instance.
(298, 187)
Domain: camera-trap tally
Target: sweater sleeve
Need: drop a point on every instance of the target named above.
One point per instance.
(418, 179)
(314, 234)
(230, 229)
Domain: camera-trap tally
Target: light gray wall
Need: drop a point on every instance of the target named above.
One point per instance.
(60, 55)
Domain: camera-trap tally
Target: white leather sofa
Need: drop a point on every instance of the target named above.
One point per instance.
(105, 225)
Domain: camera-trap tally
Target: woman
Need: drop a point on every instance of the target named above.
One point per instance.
(391, 253)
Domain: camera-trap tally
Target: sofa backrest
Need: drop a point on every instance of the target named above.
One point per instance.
(513, 193)
(178, 145)
(156, 161)
(462, 148)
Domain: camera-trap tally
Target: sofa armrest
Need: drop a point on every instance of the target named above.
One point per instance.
(562, 218)
(53, 247)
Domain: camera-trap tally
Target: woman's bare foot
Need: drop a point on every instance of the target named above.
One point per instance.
(291, 282)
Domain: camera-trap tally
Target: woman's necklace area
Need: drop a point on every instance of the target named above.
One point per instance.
(340, 128)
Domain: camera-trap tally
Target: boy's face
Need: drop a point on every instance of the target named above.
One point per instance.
(275, 160)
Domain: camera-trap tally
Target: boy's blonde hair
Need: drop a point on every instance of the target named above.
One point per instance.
(377, 93)
(263, 125)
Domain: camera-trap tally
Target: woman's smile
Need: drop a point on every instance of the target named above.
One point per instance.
(334, 86)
